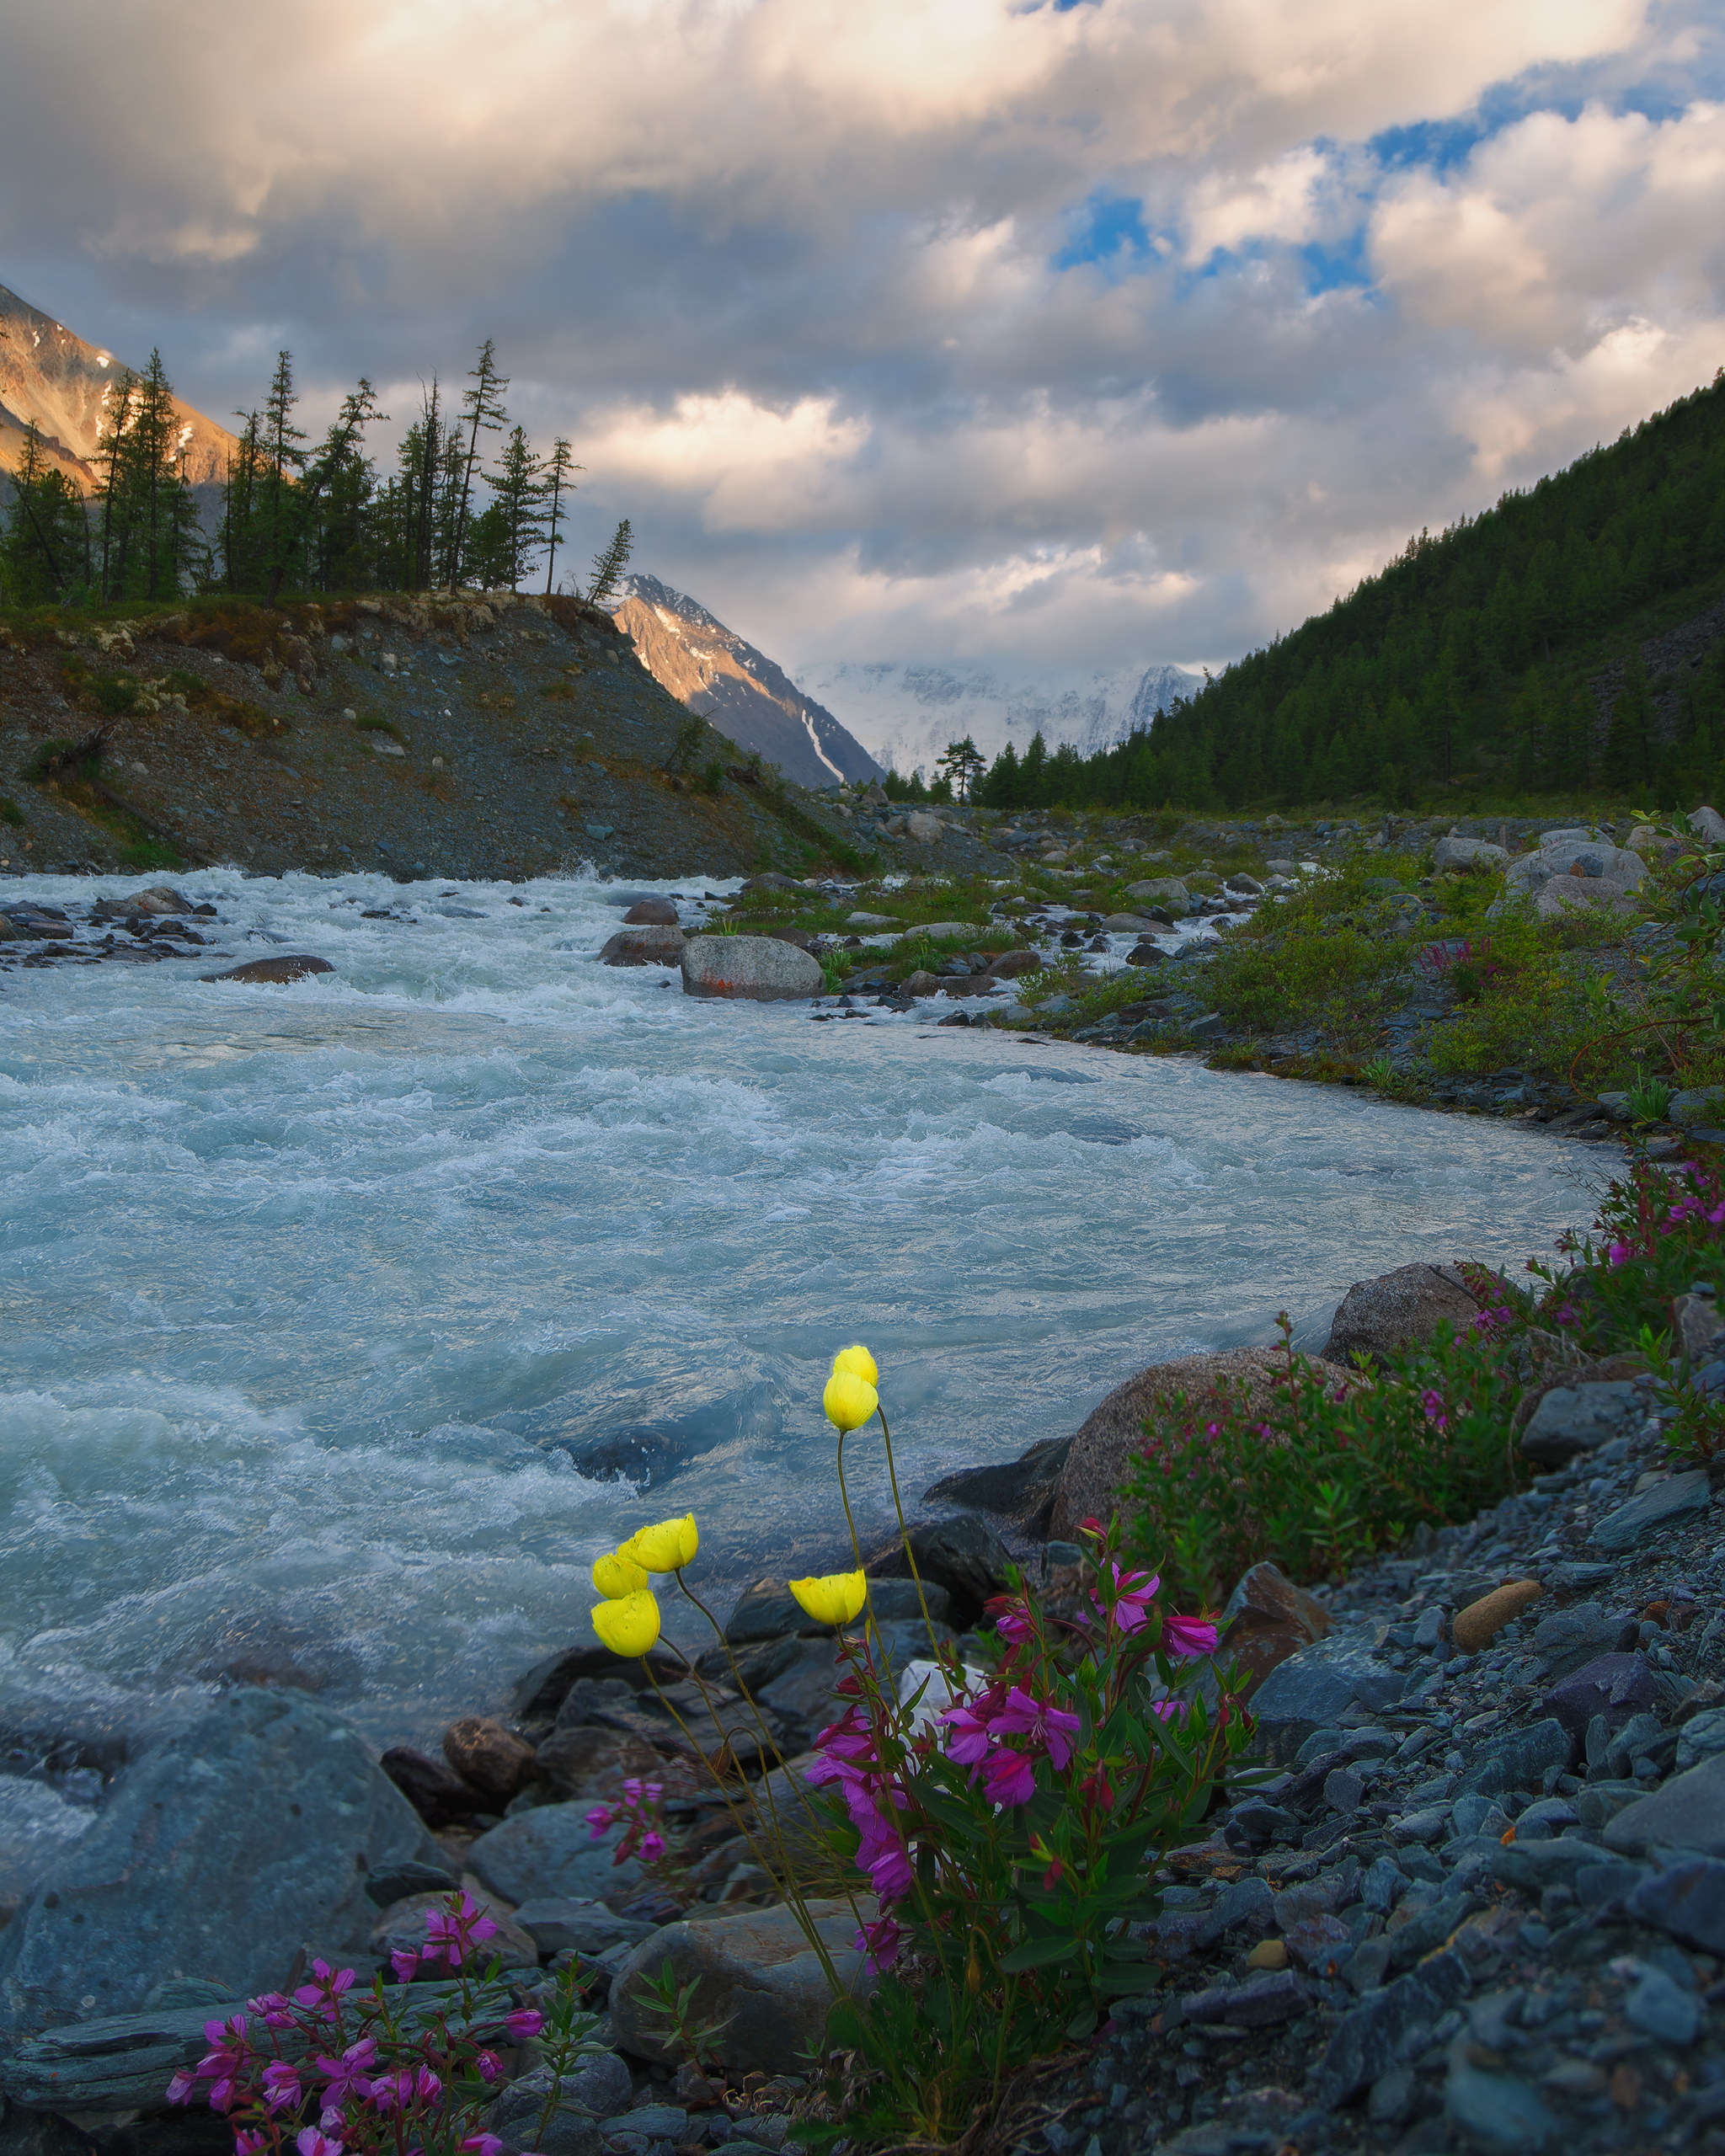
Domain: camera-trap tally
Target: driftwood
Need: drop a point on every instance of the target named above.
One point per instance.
(125, 2062)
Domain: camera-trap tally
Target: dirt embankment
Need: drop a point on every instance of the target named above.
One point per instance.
(465, 737)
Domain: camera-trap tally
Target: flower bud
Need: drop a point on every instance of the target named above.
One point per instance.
(615, 1576)
(629, 1625)
(858, 1362)
(849, 1400)
(665, 1547)
(833, 1600)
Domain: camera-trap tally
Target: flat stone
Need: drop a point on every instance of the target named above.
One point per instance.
(1615, 1685)
(1570, 1639)
(1502, 2112)
(1422, 1827)
(1519, 1759)
(275, 972)
(1315, 1686)
(1268, 2000)
(557, 1926)
(1664, 2010)
(1574, 1419)
(1244, 1905)
(256, 1825)
(1319, 1943)
(1367, 2042)
(1701, 1737)
(1688, 1901)
(1688, 1813)
(1677, 1497)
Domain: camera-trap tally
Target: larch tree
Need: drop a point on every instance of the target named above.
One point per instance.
(482, 412)
(557, 481)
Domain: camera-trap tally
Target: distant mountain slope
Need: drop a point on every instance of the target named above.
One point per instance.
(910, 712)
(49, 375)
(717, 673)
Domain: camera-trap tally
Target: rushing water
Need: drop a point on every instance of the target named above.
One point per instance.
(314, 1296)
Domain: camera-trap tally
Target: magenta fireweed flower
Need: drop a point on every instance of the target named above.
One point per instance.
(224, 2064)
(1618, 1253)
(524, 2022)
(405, 1962)
(246, 2143)
(348, 2077)
(1135, 1592)
(1009, 1778)
(180, 2087)
(652, 1846)
(450, 1932)
(1184, 1638)
(880, 1942)
(276, 2011)
(329, 1986)
(600, 1820)
(1047, 1726)
(311, 2142)
(970, 1742)
(281, 2086)
(483, 2144)
(490, 2065)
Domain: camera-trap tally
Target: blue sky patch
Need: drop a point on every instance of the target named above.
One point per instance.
(1109, 229)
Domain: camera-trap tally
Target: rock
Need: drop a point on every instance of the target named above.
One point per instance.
(159, 898)
(1701, 1736)
(1243, 886)
(941, 931)
(402, 1927)
(1677, 1497)
(771, 879)
(1519, 1760)
(298, 966)
(1697, 1104)
(1578, 1637)
(1687, 1900)
(870, 920)
(651, 913)
(1316, 1685)
(1159, 887)
(549, 1854)
(1565, 894)
(920, 984)
(754, 969)
(537, 1696)
(1012, 1488)
(1013, 965)
(1708, 825)
(1660, 2009)
(768, 1610)
(1127, 924)
(493, 1759)
(559, 2118)
(1318, 1942)
(1477, 1626)
(218, 1852)
(560, 1926)
(965, 1556)
(755, 1976)
(436, 1792)
(1563, 855)
(1368, 2041)
(1266, 1619)
(1500, 2111)
(1571, 1419)
(1401, 1309)
(587, 1765)
(1615, 1686)
(1453, 852)
(1688, 1813)
(1144, 956)
(1114, 1431)
(394, 1882)
(644, 947)
(1700, 1330)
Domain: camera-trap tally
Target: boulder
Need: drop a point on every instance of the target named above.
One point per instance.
(924, 828)
(1564, 894)
(755, 1976)
(768, 1610)
(1571, 1419)
(644, 947)
(590, 1765)
(800, 937)
(920, 984)
(1013, 965)
(549, 1854)
(584, 1927)
(752, 969)
(651, 913)
(401, 1929)
(231, 1844)
(490, 1757)
(298, 966)
(1313, 1688)
(1015, 1488)
(537, 1695)
(1159, 887)
(941, 931)
(159, 898)
(1578, 859)
(1697, 1104)
(1403, 1309)
(1113, 1432)
(1455, 853)
(1708, 826)
(1146, 955)
(1127, 924)
(965, 1556)
(1268, 1620)
(1577, 1638)
(436, 1791)
(1617, 1686)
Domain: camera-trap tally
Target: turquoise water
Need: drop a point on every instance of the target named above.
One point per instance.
(313, 1296)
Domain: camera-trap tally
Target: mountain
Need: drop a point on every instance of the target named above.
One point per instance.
(911, 712)
(715, 672)
(49, 375)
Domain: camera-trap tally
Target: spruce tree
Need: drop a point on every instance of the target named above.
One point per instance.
(557, 481)
(482, 411)
(45, 549)
(609, 564)
(284, 459)
(517, 496)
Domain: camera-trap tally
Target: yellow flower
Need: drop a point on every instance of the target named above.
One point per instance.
(858, 1362)
(849, 1401)
(629, 1625)
(834, 1599)
(615, 1576)
(665, 1547)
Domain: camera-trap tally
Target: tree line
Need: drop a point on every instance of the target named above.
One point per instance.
(1472, 663)
(294, 517)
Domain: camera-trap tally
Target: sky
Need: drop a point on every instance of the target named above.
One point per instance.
(1046, 332)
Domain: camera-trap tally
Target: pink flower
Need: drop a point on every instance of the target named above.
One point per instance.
(349, 2076)
(311, 2142)
(1133, 1593)
(277, 2012)
(970, 1742)
(1184, 1638)
(180, 2088)
(1047, 1726)
(483, 2144)
(490, 2067)
(524, 2022)
(879, 1942)
(451, 1932)
(329, 1986)
(652, 1846)
(405, 1962)
(1618, 1253)
(1012, 1619)
(247, 2142)
(1009, 1778)
(281, 2086)
(600, 1820)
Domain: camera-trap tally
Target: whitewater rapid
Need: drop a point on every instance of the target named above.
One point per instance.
(315, 1296)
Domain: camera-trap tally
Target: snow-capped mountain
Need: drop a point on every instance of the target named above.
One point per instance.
(718, 674)
(50, 376)
(908, 714)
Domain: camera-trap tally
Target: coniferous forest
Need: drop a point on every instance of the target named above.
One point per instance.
(1503, 657)
(468, 501)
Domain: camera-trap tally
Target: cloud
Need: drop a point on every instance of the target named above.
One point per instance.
(1132, 330)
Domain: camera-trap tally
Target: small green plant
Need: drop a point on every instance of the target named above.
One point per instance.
(50, 758)
(10, 812)
(1648, 1099)
(372, 721)
(676, 2005)
(1381, 1073)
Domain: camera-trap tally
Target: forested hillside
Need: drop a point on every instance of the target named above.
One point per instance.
(1568, 640)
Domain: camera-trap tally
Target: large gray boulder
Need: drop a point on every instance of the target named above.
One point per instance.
(756, 1977)
(549, 1854)
(221, 1853)
(1562, 854)
(1401, 1309)
(751, 969)
(647, 945)
(1455, 852)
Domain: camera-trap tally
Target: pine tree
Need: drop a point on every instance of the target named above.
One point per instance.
(111, 452)
(301, 518)
(482, 410)
(959, 763)
(557, 480)
(44, 550)
(240, 569)
(609, 565)
(284, 460)
(518, 494)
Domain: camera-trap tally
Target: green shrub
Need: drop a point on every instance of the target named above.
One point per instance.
(10, 812)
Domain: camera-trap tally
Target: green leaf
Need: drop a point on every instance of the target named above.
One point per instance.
(1040, 1953)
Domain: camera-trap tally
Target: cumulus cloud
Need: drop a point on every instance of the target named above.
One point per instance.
(1134, 329)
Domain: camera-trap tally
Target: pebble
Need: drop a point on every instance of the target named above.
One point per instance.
(1477, 1626)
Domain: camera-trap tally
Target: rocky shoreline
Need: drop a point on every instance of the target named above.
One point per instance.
(1478, 1901)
